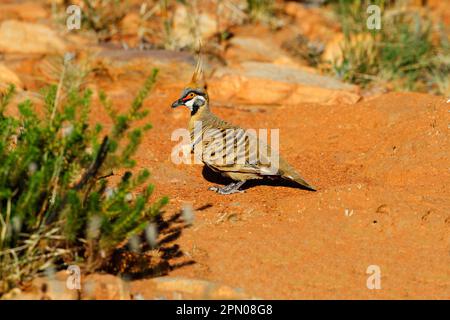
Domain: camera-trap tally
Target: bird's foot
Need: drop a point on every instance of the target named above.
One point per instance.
(228, 189)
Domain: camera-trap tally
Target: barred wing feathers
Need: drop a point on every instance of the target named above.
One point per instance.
(246, 161)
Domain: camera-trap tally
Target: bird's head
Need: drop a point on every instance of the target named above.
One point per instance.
(194, 96)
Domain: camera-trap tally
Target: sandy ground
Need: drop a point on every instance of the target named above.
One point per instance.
(382, 171)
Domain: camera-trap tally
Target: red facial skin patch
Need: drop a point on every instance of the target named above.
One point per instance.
(187, 98)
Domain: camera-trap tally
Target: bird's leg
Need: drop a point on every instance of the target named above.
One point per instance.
(228, 189)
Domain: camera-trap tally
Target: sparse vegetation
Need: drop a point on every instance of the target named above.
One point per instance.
(307, 51)
(56, 205)
(104, 16)
(405, 52)
(260, 10)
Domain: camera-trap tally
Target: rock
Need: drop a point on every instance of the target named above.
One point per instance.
(109, 287)
(8, 77)
(23, 11)
(312, 21)
(173, 65)
(44, 288)
(104, 287)
(266, 83)
(255, 49)
(119, 56)
(184, 288)
(24, 37)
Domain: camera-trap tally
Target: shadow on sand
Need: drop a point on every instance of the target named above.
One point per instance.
(146, 261)
(217, 178)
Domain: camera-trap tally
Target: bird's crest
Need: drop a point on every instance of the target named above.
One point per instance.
(198, 77)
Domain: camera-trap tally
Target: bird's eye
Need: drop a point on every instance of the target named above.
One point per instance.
(189, 96)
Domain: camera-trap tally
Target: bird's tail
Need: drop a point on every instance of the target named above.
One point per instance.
(303, 183)
(295, 177)
(287, 172)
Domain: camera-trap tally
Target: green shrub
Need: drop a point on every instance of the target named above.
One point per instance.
(56, 207)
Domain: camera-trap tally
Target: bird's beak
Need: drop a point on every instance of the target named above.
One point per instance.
(178, 103)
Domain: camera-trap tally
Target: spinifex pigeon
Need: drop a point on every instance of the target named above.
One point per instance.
(248, 163)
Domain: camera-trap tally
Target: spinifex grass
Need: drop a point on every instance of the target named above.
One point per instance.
(409, 51)
(55, 205)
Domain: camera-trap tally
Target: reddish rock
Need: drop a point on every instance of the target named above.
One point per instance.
(28, 11)
(45, 288)
(184, 288)
(255, 49)
(7, 76)
(265, 83)
(24, 37)
(313, 23)
(104, 287)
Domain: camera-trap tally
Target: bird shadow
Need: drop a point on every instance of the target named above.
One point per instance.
(217, 178)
